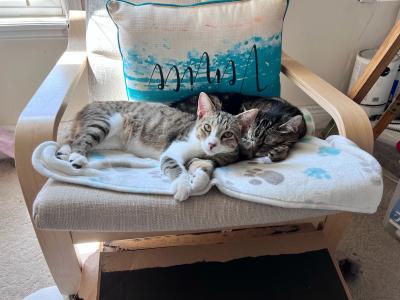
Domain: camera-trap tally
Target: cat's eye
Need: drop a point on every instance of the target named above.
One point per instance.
(207, 127)
(227, 135)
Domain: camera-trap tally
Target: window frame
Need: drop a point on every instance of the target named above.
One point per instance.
(31, 8)
(39, 26)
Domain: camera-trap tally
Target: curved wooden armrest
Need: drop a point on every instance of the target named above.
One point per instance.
(40, 118)
(351, 120)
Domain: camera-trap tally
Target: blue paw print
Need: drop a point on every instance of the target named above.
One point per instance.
(328, 151)
(96, 156)
(317, 173)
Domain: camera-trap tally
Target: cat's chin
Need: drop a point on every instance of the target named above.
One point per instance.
(213, 153)
(208, 152)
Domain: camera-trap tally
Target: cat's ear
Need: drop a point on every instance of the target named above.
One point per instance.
(293, 125)
(205, 106)
(247, 118)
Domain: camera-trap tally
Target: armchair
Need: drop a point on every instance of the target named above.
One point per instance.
(83, 214)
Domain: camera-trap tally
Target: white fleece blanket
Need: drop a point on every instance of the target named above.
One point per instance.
(320, 174)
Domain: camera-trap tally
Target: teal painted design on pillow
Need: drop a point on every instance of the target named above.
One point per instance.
(170, 52)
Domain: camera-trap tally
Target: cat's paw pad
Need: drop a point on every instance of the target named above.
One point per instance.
(199, 180)
(77, 160)
(64, 152)
(181, 188)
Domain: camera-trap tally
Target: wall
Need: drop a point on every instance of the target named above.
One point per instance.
(324, 35)
(24, 63)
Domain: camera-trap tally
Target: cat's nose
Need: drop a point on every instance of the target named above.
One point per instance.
(211, 145)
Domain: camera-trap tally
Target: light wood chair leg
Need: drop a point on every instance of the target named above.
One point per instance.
(334, 228)
(89, 288)
(57, 246)
(61, 258)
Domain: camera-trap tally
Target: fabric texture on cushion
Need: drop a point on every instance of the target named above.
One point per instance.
(170, 52)
(106, 80)
(62, 206)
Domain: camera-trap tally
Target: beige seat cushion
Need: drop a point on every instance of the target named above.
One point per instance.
(71, 207)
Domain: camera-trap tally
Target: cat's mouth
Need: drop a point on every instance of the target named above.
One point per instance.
(217, 150)
(208, 151)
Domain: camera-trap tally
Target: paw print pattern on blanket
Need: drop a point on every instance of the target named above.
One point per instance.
(317, 173)
(328, 151)
(259, 175)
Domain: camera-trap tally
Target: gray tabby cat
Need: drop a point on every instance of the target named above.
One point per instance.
(188, 147)
(277, 127)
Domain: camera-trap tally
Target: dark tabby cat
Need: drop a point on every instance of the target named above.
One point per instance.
(188, 148)
(278, 125)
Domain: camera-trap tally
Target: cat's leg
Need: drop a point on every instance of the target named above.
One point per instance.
(64, 152)
(173, 165)
(80, 147)
(275, 154)
(175, 170)
(278, 153)
(91, 133)
(200, 171)
(246, 149)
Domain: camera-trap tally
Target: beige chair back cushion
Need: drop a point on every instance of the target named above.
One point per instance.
(106, 80)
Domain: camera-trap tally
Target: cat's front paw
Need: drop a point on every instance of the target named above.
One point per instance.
(278, 153)
(64, 152)
(199, 180)
(77, 160)
(181, 187)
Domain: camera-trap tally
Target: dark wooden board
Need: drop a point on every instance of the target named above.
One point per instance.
(309, 276)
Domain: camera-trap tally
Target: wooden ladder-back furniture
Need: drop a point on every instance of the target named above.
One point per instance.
(41, 117)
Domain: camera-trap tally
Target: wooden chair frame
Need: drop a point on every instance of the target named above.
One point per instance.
(40, 119)
(383, 56)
